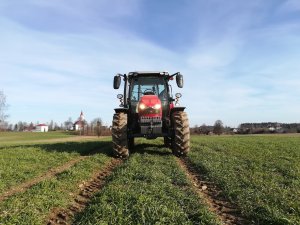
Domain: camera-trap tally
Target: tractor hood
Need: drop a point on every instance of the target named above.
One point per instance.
(150, 105)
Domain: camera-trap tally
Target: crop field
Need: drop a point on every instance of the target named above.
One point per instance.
(50, 179)
(16, 137)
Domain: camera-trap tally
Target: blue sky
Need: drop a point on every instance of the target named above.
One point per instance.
(240, 59)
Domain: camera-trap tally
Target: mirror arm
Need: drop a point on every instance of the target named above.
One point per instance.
(174, 74)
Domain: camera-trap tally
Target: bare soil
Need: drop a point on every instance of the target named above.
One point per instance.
(83, 197)
(227, 212)
(66, 139)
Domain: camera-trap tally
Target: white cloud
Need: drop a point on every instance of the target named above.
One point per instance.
(52, 70)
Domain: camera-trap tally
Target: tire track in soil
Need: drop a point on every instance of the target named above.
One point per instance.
(49, 174)
(87, 190)
(227, 212)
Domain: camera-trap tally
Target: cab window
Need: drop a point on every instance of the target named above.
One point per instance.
(148, 85)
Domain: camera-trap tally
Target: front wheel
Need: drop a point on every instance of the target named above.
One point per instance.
(181, 139)
(119, 135)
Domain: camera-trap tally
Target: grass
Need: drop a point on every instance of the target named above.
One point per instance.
(34, 205)
(16, 137)
(21, 163)
(149, 188)
(261, 174)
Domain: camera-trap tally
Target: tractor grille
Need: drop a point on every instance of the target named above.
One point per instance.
(154, 121)
(150, 125)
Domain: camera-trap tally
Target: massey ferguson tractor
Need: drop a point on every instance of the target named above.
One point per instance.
(149, 110)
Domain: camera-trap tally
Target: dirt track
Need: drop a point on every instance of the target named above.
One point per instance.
(49, 174)
(80, 200)
(225, 210)
(67, 139)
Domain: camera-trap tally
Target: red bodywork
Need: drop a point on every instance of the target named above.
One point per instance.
(153, 107)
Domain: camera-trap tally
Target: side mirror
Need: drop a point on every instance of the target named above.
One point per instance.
(179, 80)
(117, 82)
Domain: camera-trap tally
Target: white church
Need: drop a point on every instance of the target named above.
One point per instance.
(78, 125)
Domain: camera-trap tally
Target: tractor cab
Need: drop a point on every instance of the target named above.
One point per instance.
(148, 87)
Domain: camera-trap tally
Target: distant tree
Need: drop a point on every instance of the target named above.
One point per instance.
(56, 127)
(31, 126)
(228, 130)
(20, 126)
(10, 127)
(51, 125)
(95, 121)
(96, 126)
(218, 127)
(3, 108)
(68, 124)
(204, 129)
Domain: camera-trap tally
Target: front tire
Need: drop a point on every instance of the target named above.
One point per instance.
(181, 139)
(119, 135)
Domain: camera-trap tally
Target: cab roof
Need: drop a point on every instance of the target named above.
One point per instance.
(161, 73)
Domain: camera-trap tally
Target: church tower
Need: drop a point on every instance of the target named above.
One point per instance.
(81, 117)
(78, 125)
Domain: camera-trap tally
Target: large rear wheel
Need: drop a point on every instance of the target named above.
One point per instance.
(119, 135)
(181, 139)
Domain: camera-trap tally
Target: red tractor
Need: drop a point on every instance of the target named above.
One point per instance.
(147, 110)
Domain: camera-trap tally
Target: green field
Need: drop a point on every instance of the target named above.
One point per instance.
(258, 174)
(148, 188)
(17, 137)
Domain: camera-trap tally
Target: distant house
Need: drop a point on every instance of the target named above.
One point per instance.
(41, 128)
(235, 130)
(272, 129)
(79, 124)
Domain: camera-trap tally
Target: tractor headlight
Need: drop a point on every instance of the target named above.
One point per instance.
(142, 106)
(157, 106)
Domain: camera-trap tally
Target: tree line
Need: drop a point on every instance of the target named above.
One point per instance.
(3, 108)
(218, 129)
(247, 128)
(95, 127)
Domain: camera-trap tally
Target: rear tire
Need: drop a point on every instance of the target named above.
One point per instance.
(119, 135)
(181, 139)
